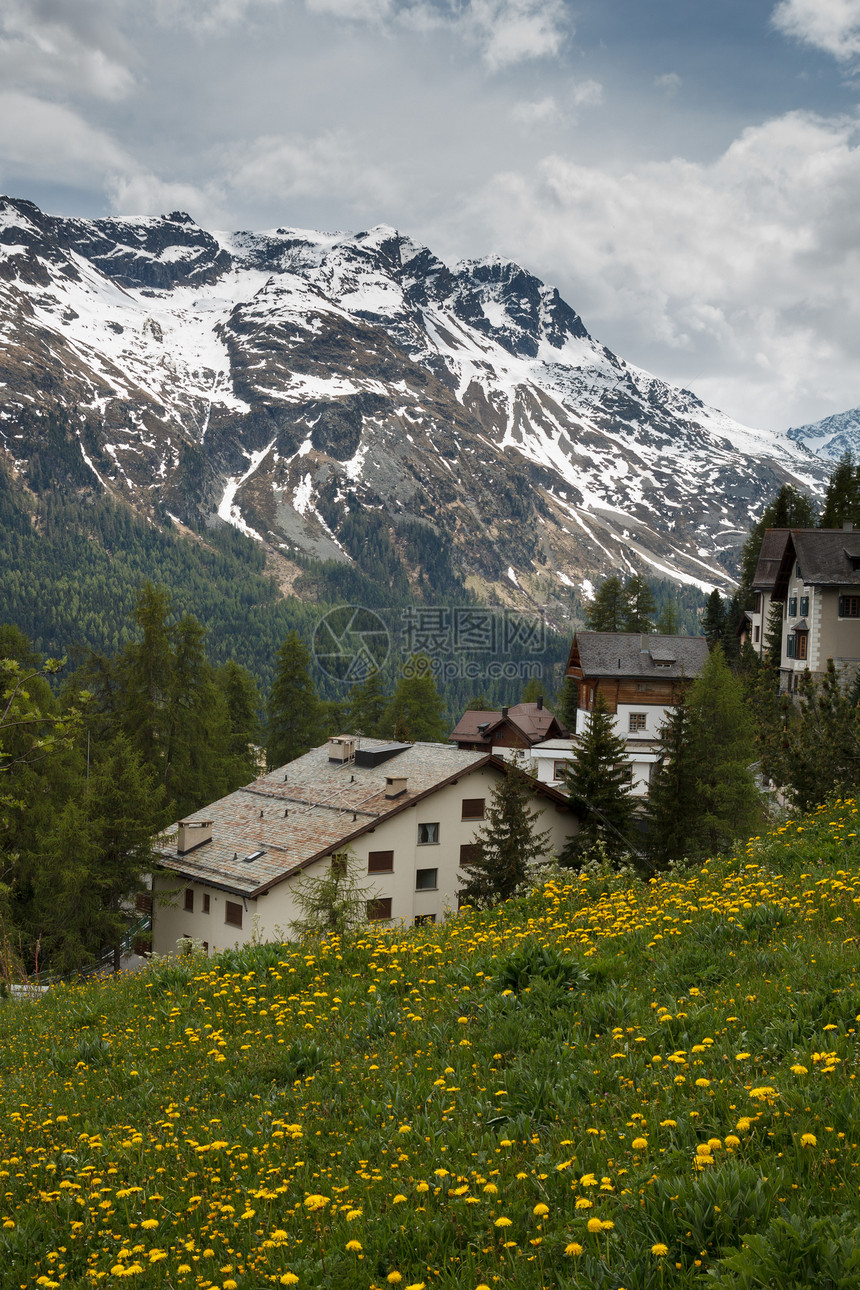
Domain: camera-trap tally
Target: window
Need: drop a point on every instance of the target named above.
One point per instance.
(756, 634)
(232, 914)
(338, 864)
(802, 639)
(797, 569)
(804, 606)
(380, 862)
(426, 879)
(428, 835)
(757, 603)
(558, 769)
(792, 606)
(143, 902)
(849, 606)
(189, 900)
(379, 910)
(789, 646)
(473, 808)
(637, 721)
(626, 769)
(423, 920)
(470, 853)
(207, 901)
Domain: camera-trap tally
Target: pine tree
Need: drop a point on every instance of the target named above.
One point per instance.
(367, 704)
(772, 644)
(672, 808)
(242, 699)
(568, 704)
(723, 754)
(822, 758)
(669, 621)
(415, 712)
(598, 784)
(295, 723)
(639, 605)
(714, 619)
(842, 499)
(509, 844)
(608, 611)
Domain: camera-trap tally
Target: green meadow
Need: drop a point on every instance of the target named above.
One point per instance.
(608, 1083)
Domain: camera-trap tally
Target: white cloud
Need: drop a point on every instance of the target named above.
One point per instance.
(747, 269)
(831, 25)
(282, 168)
(538, 112)
(47, 140)
(63, 47)
(587, 94)
(505, 32)
(670, 82)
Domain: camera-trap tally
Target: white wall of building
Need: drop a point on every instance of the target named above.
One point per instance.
(270, 916)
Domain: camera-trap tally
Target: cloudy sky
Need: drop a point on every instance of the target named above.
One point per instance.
(687, 172)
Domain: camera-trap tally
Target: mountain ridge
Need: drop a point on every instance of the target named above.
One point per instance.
(281, 381)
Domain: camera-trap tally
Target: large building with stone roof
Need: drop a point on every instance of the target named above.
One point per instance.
(407, 814)
(814, 574)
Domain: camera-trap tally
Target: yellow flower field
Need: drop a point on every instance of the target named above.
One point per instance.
(607, 1084)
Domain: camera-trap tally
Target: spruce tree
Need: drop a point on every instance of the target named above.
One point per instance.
(295, 720)
(842, 499)
(714, 619)
(669, 621)
(415, 712)
(509, 843)
(672, 807)
(639, 605)
(608, 612)
(723, 753)
(242, 699)
(598, 784)
(568, 704)
(772, 643)
(367, 704)
(822, 758)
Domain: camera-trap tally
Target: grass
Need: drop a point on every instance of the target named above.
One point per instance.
(605, 1084)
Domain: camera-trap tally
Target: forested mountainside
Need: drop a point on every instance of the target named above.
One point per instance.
(349, 399)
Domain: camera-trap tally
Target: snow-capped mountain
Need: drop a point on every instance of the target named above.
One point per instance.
(831, 437)
(282, 380)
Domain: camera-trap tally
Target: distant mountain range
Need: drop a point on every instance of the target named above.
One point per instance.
(288, 382)
(831, 437)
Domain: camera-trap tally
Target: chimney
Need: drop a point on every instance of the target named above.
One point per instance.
(192, 834)
(847, 526)
(341, 750)
(395, 785)
(504, 712)
(540, 703)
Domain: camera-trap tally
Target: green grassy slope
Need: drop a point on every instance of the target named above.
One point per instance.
(602, 1085)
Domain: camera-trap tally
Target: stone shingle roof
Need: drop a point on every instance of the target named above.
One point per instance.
(304, 810)
(630, 654)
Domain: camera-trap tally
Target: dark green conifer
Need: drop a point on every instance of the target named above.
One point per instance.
(598, 784)
(295, 720)
(509, 842)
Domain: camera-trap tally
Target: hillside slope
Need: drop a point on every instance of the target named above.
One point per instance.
(607, 1084)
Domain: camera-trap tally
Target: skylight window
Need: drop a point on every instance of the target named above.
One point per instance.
(255, 855)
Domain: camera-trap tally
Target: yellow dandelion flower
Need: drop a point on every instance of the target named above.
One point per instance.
(502, 1222)
(595, 1225)
(289, 1279)
(149, 1223)
(353, 1246)
(540, 1210)
(808, 1140)
(394, 1278)
(573, 1249)
(639, 1144)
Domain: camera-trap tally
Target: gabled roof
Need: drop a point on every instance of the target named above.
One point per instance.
(827, 558)
(534, 723)
(303, 811)
(637, 655)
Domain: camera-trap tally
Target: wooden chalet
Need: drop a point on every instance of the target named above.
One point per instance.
(521, 726)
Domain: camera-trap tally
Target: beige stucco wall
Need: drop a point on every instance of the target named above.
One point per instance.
(270, 916)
